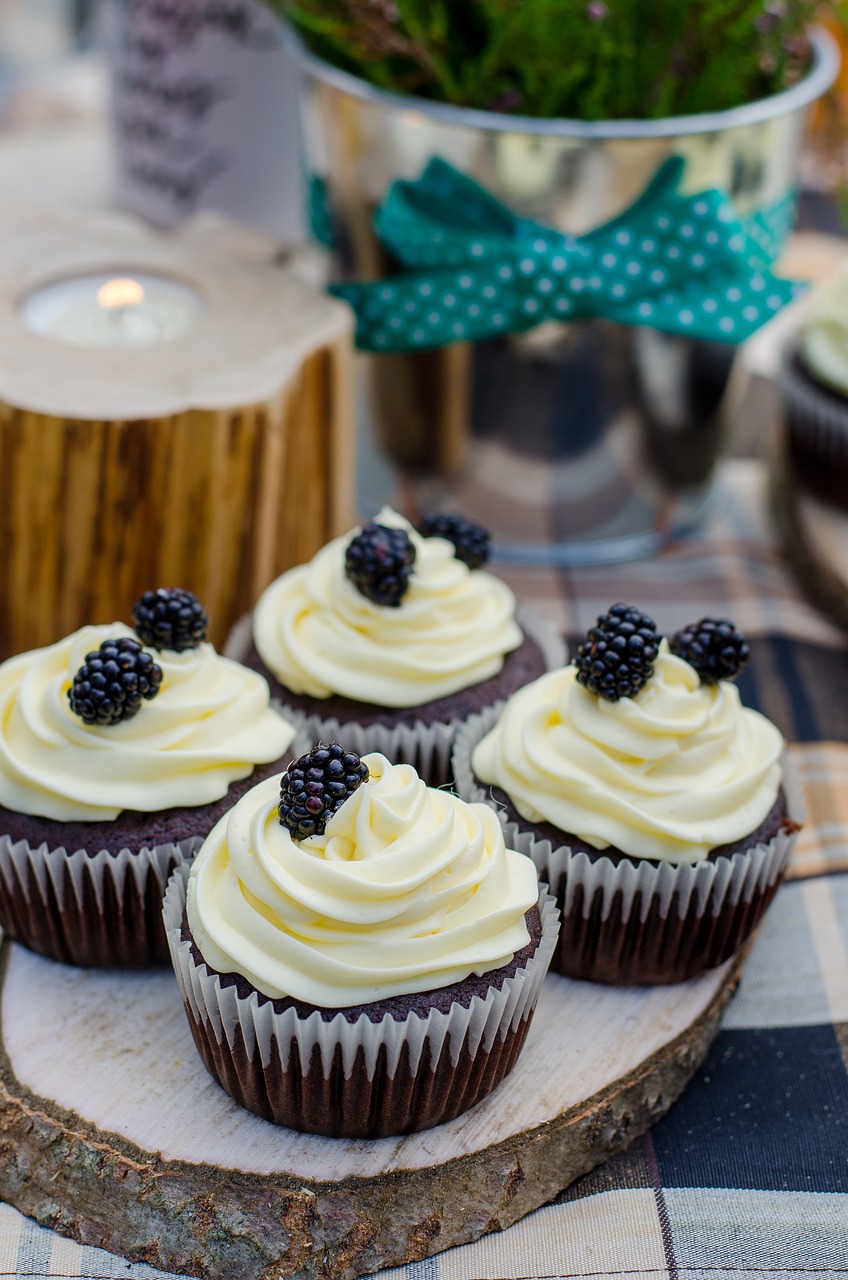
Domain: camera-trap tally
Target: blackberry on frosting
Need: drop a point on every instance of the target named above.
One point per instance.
(616, 658)
(714, 647)
(378, 561)
(316, 785)
(170, 618)
(113, 680)
(470, 540)
(627, 804)
(139, 791)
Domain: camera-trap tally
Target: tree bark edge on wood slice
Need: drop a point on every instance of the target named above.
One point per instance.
(220, 1224)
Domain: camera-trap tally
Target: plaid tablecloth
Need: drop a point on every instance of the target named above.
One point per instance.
(747, 1176)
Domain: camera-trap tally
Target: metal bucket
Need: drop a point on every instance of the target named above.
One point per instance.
(575, 443)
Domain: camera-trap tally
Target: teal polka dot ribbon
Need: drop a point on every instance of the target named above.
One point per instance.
(685, 264)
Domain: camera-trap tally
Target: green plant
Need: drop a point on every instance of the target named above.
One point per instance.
(587, 59)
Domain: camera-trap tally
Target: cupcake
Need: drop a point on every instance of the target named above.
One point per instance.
(389, 639)
(359, 954)
(649, 798)
(119, 751)
(814, 385)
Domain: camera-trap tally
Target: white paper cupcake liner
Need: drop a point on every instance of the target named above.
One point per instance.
(70, 906)
(816, 414)
(97, 907)
(280, 1034)
(426, 746)
(719, 890)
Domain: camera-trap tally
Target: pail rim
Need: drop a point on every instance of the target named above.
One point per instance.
(819, 78)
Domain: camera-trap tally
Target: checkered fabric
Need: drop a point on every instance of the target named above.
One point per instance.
(747, 1175)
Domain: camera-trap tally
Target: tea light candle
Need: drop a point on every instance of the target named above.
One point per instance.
(108, 310)
(174, 410)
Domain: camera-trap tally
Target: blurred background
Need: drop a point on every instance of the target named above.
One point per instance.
(163, 109)
(154, 107)
(51, 60)
(55, 60)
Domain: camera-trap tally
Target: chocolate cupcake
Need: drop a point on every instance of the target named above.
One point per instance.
(814, 386)
(389, 639)
(371, 973)
(649, 799)
(116, 760)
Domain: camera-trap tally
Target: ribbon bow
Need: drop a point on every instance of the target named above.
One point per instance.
(686, 264)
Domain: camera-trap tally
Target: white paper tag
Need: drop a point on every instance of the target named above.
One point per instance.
(205, 113)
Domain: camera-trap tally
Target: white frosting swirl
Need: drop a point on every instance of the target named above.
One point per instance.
(671, 774)
(452, 629)
(409, 889)
(209, 724)
(824, 335)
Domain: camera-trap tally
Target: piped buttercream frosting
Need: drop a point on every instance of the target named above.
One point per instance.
(320, 636)
(208, 726)
(409, 889)
(670, 774)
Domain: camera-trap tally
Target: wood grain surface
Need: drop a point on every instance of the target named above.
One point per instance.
(112, 1132)
(93, 513)
(212, 462)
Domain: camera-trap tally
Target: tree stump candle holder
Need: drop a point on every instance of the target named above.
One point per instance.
(196, 433)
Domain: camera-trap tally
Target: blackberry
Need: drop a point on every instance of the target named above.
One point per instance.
(713, 647)
(616, 658)
(470, 540)
(316, 785)
(170, 618)
(112, 681)
(378, 562)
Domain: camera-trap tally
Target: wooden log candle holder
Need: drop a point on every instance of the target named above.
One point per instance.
(213, 459)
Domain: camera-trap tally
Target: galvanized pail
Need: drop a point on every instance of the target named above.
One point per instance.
(575, 443)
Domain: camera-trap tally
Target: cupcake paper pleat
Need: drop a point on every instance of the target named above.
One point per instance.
(65, 905)
(725, 891)
(427, 747)
(472, 1029)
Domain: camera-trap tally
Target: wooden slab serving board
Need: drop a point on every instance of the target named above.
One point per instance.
(112, 1132)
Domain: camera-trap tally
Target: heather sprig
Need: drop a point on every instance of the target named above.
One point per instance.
(583, 59)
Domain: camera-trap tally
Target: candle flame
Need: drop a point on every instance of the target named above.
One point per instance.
(120, 293)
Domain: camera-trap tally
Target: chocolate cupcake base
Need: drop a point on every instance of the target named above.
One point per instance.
(368, 1071)
(90, 893)
(641, 941)
(816, 419)
(644, 940)
(98, 910)
(633, 921)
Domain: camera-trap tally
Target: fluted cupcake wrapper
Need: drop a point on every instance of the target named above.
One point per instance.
(817, 422)
(427, 747)
(638, 921)
(359, 1078)
(92, 909)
